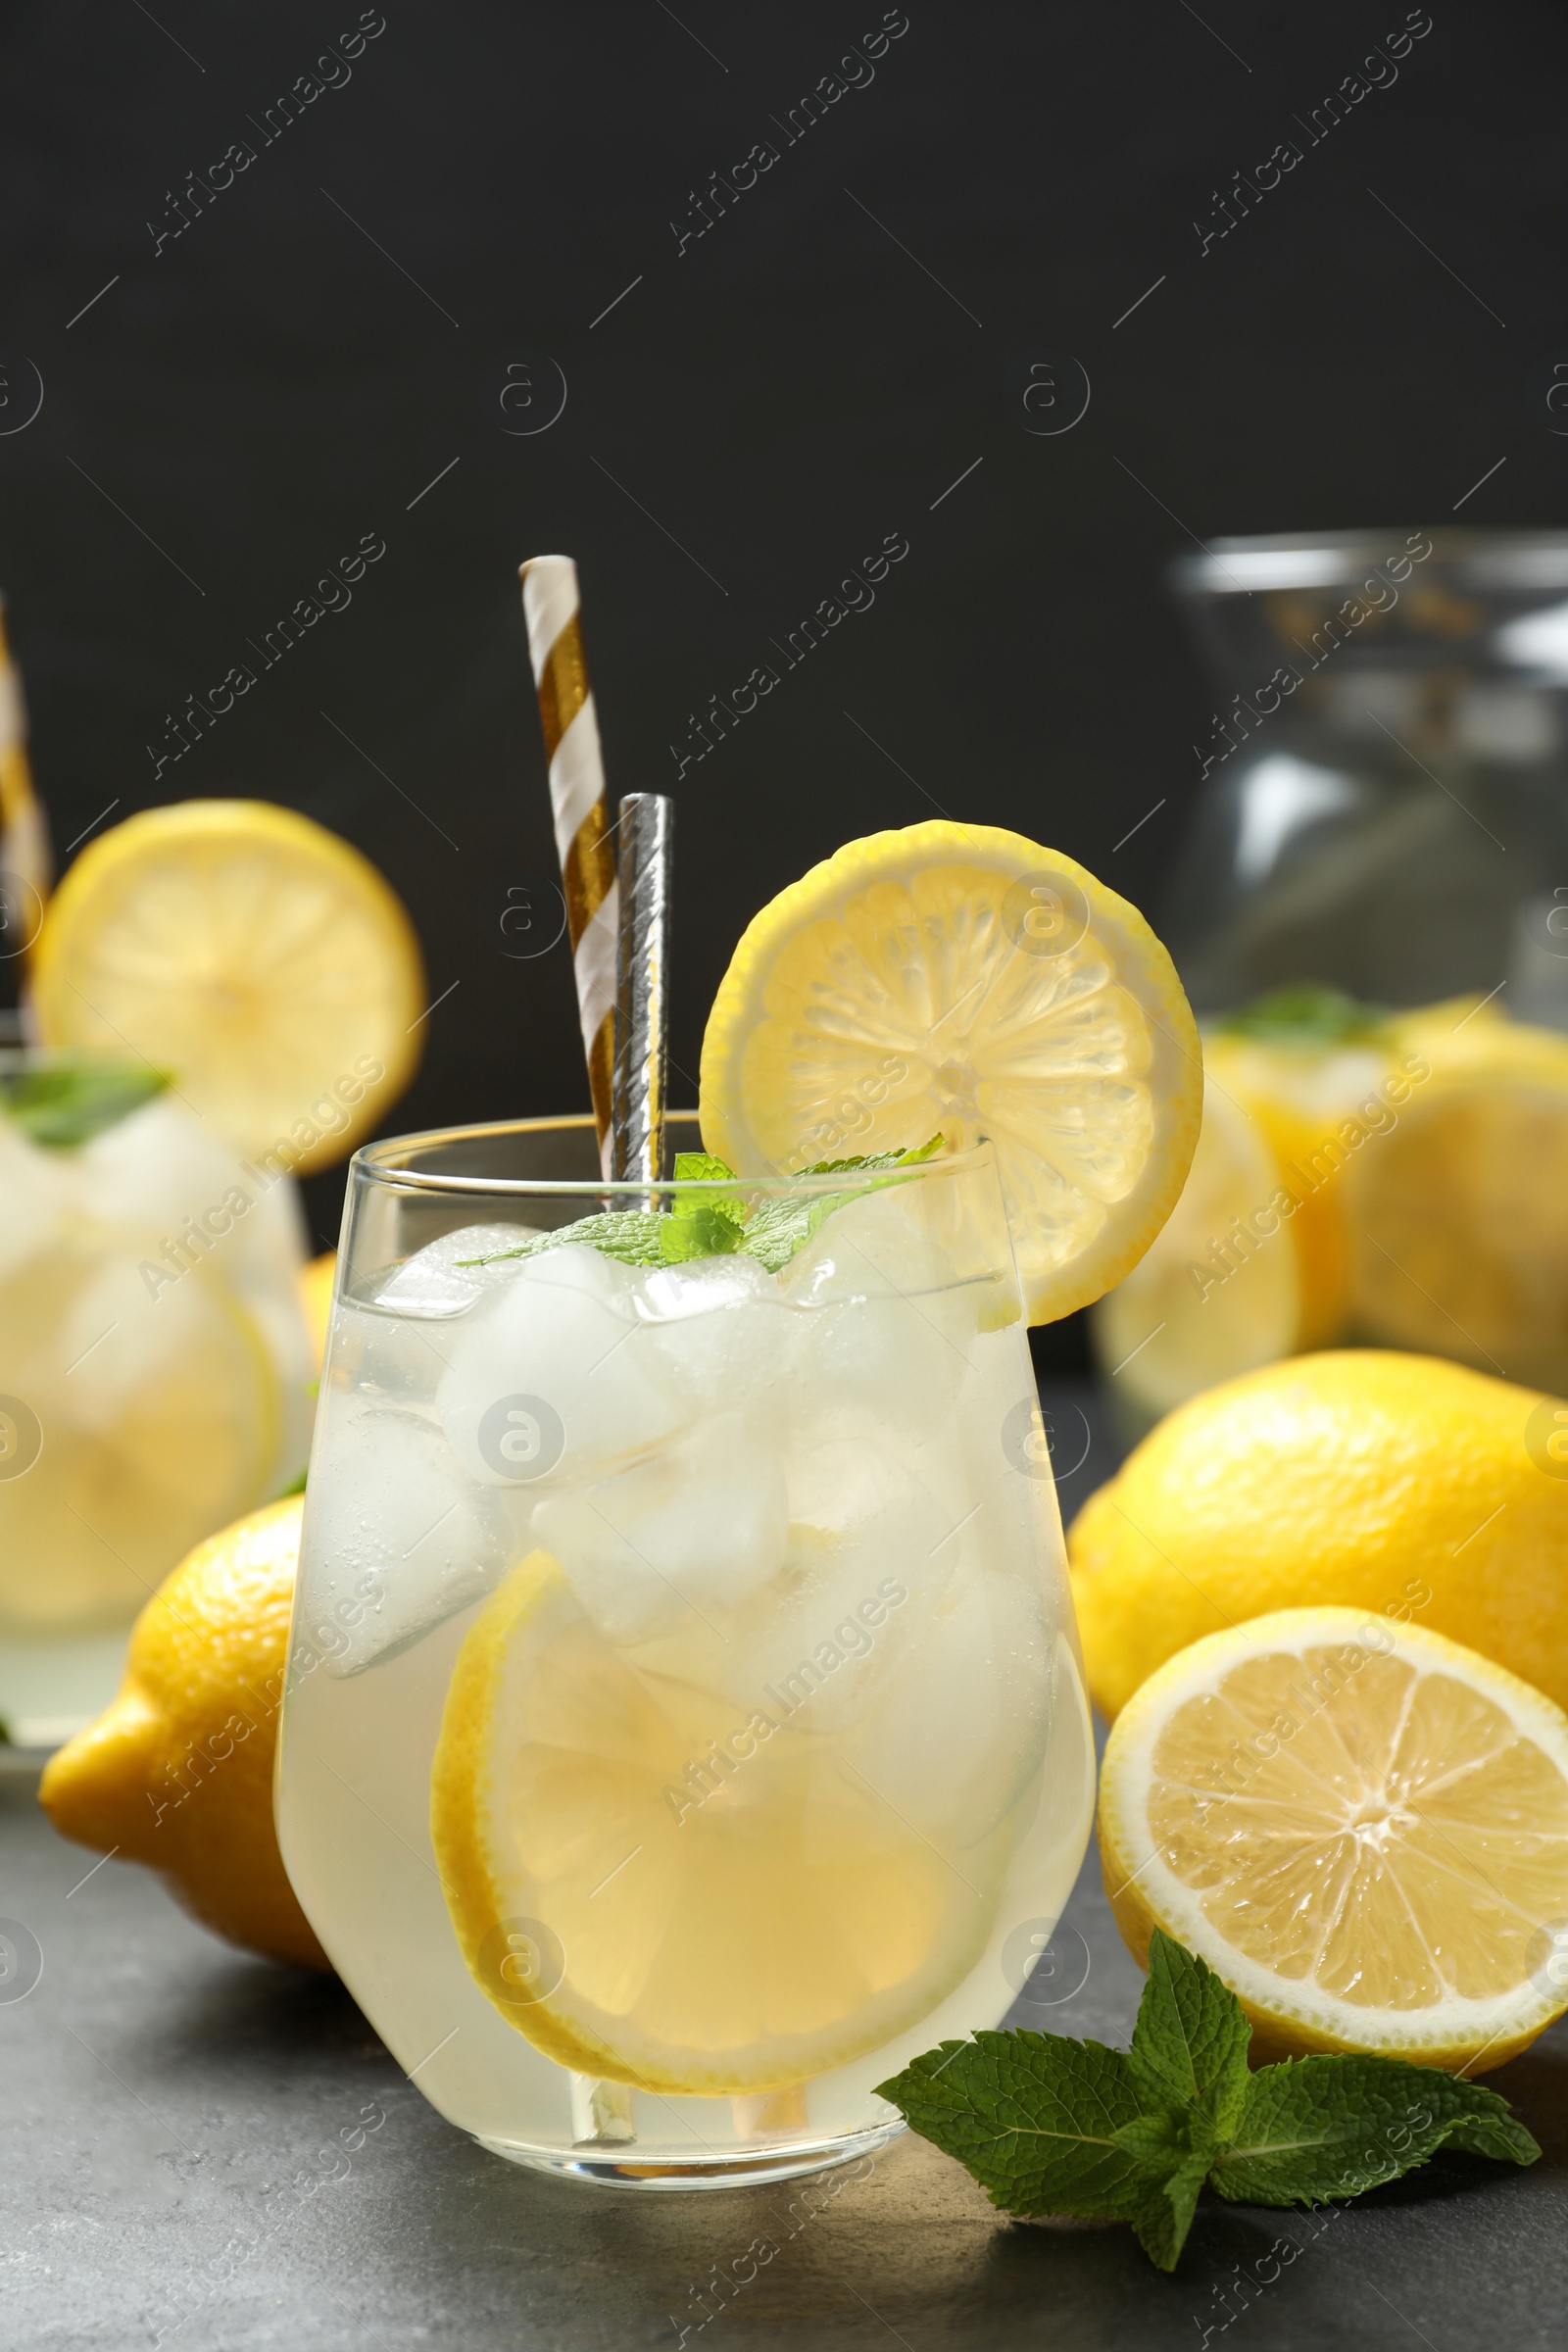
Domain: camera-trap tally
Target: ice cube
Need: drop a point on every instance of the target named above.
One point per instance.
(721, 1327)
(881, 1359)
(696, 1528)
(34, 1204)
(401, 1361)
(932, 1245)
(397, 1540)
(266, 1246)
(865, 1566)
(114, 1345)
(960, 1728)
(887, 1327)
(165, 1178)
(552, 1376)
(876, 1243)
(154, 1170)
(435, 1280)
(160, 1178)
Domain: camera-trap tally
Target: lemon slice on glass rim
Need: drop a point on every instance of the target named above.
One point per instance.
(960, 979)
(252, 953)
(792, 1923)
(1361, 1826)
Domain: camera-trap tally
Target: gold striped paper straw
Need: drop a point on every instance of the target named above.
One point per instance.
(26, 863)
(551, 606)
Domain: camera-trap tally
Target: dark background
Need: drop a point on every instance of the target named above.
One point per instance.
(756, 414)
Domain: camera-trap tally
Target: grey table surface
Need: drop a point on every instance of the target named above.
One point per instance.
(204, 2150)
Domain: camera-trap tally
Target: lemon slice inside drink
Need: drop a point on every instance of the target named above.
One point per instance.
(788, 1923)
(1360, 1826)
(960, 979)
(159, 1420)
(252, 953)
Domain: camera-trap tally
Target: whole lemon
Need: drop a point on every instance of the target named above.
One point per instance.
(178, 1772)
(1401, 1485)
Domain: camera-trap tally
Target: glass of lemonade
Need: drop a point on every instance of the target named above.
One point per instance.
(684, 1723)
(155, 1363)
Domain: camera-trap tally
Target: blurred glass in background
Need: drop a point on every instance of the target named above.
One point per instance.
(1381, 803)
(1370, 916)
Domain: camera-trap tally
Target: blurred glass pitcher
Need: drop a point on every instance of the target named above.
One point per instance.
(1382, 790)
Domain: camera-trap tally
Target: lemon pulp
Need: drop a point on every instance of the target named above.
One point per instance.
(1185, 1317)
(789, 1921)
(167, 1427)
(961, 979)
(252, 953)
(1366, 1834)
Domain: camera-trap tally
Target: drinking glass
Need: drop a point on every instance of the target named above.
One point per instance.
(684, 1725)
(155, 1365)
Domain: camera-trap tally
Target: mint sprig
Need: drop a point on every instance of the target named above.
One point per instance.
(63, 1103)
(1305, 1014)
(710, 1224)
(1049, 2126)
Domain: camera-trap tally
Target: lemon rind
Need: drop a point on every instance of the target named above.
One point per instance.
(1144, 1893)
(99, 880)
(1145, 968)
(459, 1783)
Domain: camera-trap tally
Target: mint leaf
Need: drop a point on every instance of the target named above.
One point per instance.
(781, 1228)
(1306, 1015)
(1049, 2126)
(1320, 2128)
(1169, 2137)
(702, 1229)
(1189, 2041)
(784, 1226)
(1160, 2224)
(1492, 2130)
(633, 1235)
(717, 1224)
(709, 1226)
(1035, 2118)
(61, 1105)
(1176, 2144)
(700, 1167)
(877, 1160)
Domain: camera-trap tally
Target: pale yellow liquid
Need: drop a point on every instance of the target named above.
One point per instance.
(145, 1400)
(354, 1805)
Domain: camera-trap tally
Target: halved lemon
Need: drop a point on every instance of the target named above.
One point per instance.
(961, 979)
(1255, 1262)
(1460, 1246)
(778, 1926)
(252, 953)
(1360, 1826)
(1300, 1101)
(1203, 1305)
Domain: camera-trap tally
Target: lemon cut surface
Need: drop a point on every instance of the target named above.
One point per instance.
(1167, 1336)
(785, 1925)
(250, 952)
(960, 979)
(1456, 1224)
(1363, 1827)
